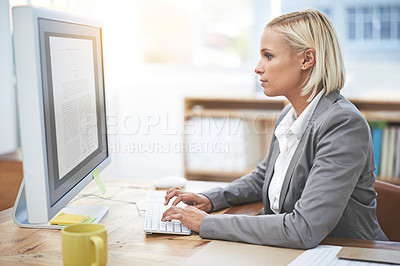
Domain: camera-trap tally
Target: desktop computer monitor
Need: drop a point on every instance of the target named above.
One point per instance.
(62, 112)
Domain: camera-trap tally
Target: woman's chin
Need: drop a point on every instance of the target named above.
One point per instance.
(269, 93)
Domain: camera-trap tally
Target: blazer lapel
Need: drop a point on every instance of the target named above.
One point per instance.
(271, 163)
(323, 104)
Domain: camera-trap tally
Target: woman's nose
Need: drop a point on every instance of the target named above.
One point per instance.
(258, 69)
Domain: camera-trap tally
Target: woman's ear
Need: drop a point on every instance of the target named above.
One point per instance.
(308, 59)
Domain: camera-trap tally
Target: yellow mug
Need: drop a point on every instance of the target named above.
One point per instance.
(84, 244)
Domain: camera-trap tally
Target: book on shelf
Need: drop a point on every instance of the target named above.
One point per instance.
(397, 154)
(377, 143)
(391, 150)
(386, 142)
(384, 153)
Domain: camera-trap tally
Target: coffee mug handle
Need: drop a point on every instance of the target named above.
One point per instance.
(99, 248)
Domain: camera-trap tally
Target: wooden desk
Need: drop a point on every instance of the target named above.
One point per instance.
(127, 242)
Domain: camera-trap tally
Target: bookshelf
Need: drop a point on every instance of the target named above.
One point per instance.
(11, 174)
(265, 112)
(387, 111)
(260, 114)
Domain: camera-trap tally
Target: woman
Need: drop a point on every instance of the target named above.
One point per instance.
(318, 177)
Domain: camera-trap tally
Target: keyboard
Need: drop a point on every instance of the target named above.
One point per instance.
(154, 210)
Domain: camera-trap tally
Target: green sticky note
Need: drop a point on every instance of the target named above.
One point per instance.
(88, 221)
(99, 183)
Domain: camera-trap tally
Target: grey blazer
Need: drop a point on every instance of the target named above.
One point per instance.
(328, 189)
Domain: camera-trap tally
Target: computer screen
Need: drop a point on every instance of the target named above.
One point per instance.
(73, 102)
(62, 107)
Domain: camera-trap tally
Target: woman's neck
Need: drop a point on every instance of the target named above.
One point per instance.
(300, 102)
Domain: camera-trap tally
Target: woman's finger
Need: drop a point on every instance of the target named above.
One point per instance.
(185, 197)
(176, 216)
(173, 189)
(172, 192)
(170, 211)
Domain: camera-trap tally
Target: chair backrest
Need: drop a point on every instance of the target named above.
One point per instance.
(388, 209)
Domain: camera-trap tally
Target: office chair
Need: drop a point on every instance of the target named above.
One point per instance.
(388, 209)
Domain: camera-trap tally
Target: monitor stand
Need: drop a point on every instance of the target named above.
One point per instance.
(20, 215)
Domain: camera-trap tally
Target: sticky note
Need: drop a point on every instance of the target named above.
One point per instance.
(100, 184)
(88, 221)
(66, 219)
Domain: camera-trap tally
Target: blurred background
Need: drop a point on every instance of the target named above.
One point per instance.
(157, 52)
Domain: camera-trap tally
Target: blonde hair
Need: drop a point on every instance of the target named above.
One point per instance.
(312, 29)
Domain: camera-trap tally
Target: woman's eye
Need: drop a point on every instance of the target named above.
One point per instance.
(268, 56)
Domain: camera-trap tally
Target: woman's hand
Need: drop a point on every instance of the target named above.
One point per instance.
(190, 216)
(197, 200)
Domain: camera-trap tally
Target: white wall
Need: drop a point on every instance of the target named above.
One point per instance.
(146, 116)
(8, 112)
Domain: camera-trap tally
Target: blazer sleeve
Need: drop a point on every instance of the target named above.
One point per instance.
(341, 150)
(243, 190)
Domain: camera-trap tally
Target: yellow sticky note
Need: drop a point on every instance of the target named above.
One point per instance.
(65, 218)
(100, 184)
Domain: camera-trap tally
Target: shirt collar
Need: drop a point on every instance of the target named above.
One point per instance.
(293, 125)
(285, 124)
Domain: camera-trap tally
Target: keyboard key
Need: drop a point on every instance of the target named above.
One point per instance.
(185, 229)
(177, 227)
(170, 227)
(154, 211)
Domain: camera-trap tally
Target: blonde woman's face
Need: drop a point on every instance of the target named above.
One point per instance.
(279, 69)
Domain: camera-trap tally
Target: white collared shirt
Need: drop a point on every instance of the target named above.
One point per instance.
(288, 133)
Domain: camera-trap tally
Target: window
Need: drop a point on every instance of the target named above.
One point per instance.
(351, 13)
(373, 23)
(384, 15)
(368, 21)
(200, 33)
(397, 13)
